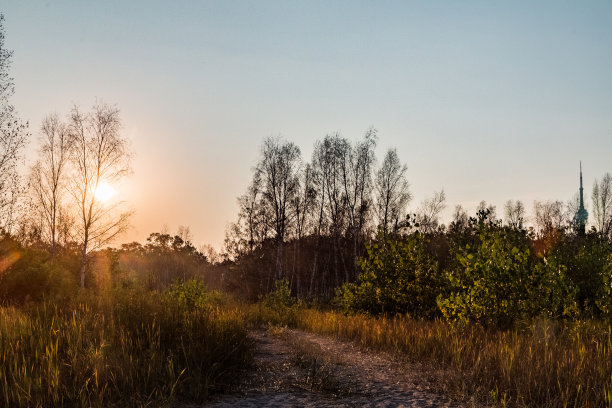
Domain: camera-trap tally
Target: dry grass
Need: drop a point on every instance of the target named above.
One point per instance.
(546, 364)
(132, 349)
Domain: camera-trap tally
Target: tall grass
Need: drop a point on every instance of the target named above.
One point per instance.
(131, 349)
(545, 364)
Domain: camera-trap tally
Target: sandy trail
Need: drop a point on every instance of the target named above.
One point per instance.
(298, 369)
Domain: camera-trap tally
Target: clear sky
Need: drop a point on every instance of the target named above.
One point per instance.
(489, 100)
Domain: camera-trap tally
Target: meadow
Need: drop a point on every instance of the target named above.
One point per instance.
(543, 363)
(129, 347)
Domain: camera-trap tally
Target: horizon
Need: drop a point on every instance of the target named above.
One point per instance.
(488, 102)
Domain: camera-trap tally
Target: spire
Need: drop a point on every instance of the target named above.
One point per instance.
(581, 189)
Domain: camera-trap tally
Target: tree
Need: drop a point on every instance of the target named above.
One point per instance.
(428, 215)
(515, 213)
(392, 194)
(99, 155)
(47, 176)
(357, 187)
(13, 137)
(550, 215)
(460, 221)
(397, 276)
(497, 281)
(303, 201)
(602, 205)
(278, 168)
(331, 154)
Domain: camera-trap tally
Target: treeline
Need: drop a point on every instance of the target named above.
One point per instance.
(308, 222)
(486, 272)
(311, 222)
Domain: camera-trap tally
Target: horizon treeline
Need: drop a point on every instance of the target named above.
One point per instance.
(308, 221)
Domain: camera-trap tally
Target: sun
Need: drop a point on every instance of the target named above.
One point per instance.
(104, 192)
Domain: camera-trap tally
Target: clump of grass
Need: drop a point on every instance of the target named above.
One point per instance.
(543, 364)
(319, 370)
(132, 348)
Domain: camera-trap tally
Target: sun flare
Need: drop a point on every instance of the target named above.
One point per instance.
(104, 192)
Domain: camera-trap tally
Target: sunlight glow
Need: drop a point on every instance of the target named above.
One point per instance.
(104, 192)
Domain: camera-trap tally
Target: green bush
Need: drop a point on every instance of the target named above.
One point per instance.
(31, 275)
(281, 297)
(191, 294)
(497, 281)
(397, 276)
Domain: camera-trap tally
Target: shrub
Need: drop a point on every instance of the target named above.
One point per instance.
(281, 297)
(397, 276)
(497, 281)
(191, 294)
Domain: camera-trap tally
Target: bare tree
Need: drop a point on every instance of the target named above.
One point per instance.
(13, 137)
(47, 176)
(357, 166)
(303, 201)
(278, 168)
(392, 194)
(549, 215)
(184, 233)
(252, 226)
(99, 155)
(602, 204)
(460, 221)
(428, 215)
(571, 210)
(328, 162)
(515, 213)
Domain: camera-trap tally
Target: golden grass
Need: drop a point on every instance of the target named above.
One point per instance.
(546, 364)
(133, 349)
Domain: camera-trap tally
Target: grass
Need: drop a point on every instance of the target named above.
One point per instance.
(131, 348)
(544, 364)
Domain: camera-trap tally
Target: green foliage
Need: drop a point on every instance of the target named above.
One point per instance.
(497, 281)
(397, 276)
(162, 261)
(191, 294)
(281, 297)
(276, 308)
(587, 260)
(31, 275)
(604, 303)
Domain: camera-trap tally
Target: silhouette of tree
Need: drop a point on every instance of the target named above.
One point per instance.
(278, 169)
(357, 169)
(99, 154)
(428, 214)
(550, 215)
(13, 137)
(392, 191)
(602, 205)
(47, 176)
(515, 213)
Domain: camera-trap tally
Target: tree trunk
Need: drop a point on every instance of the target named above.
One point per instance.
(83, 263)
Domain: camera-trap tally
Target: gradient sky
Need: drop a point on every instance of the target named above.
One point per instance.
(488, 100)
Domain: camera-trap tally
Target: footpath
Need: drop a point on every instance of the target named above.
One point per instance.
(293, 368)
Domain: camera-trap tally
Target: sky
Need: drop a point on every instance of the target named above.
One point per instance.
(488, 100)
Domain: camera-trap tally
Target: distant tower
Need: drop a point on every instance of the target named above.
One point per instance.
(581, 215)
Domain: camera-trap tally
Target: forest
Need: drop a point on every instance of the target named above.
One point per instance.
(518, 306)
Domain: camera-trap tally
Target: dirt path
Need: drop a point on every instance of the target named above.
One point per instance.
(298, 369)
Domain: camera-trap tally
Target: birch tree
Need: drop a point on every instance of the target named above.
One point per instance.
(48, 176)
(392, 191)
(99, 156)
